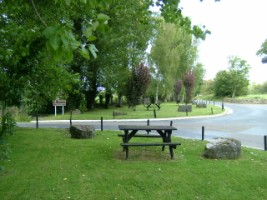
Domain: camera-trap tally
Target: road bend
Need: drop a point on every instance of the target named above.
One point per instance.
(245, 122)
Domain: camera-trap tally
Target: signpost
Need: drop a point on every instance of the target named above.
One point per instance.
(58, 102)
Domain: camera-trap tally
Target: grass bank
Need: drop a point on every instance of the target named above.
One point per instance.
(141, 112)
(48, 164)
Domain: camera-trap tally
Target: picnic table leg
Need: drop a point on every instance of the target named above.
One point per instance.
(126, 152)
(171, 151)
(164, 137)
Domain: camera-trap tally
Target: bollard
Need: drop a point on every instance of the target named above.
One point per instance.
(155, 114)
(186, 111)
(265, 143)
(170, 123)
(211, 110)
(203, 133)
(71, 118)
(101, 123)
(222, 106)
(37, 125)
(148, 123)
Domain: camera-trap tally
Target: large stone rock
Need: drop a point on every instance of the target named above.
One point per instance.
(185, 108)
(201, 105)
(223, 148)
(82, 131)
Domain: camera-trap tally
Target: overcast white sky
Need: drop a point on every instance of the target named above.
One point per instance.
(238, 27)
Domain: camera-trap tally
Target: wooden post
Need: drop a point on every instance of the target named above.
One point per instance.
(37, 125)
(55, 110)
(101, 123)
(203, 133)
(148, 123)
(71, 118)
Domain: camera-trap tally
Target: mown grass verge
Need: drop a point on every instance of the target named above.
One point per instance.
(167, 110)
(48, 164)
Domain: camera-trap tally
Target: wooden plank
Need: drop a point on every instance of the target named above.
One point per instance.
(152, 144)
(146, 128)
(142, 135)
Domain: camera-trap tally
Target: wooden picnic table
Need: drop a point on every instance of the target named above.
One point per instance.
(164, 132)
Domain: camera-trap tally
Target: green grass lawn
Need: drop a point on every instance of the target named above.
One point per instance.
(166, 110)
(48, 164)
(253, 96)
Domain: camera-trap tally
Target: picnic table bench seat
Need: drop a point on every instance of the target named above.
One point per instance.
(172, 145)
(142, 135)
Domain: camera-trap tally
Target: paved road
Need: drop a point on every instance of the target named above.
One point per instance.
(245, 122)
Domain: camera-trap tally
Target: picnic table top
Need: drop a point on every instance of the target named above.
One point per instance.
(144, 127)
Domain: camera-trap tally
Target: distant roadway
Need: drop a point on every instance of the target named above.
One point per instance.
(245, 122)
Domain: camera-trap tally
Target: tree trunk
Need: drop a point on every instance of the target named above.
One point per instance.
(90, 98)
(234, 91)
(157, 94)
(119, 100)
(107, 99)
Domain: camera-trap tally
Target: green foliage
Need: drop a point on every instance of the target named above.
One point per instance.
(233, 82)
(137, 84)
(199, 72)
(4, 151)
(207, 87)
(189, 83)
(8, 125)
(6, 128)
(177, 89)
(258, 88)
(263, 49)
(222, 85)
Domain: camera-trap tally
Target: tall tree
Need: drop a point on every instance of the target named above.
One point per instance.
(177, 90)
(222, 85)
(263, 51)
(238, 71)
(137, 85)
(199, 72)
(234, 81)
(189, 83)
(173, 53)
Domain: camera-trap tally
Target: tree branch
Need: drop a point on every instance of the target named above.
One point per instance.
(37, 13)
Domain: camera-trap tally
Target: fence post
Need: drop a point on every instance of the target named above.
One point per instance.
(203, 133)
(265, 143)
(101, 123)
(71, 118)
(37, 125)
(155, 114)
(148, 123)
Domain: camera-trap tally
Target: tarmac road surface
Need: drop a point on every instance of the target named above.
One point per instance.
(245, 122)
